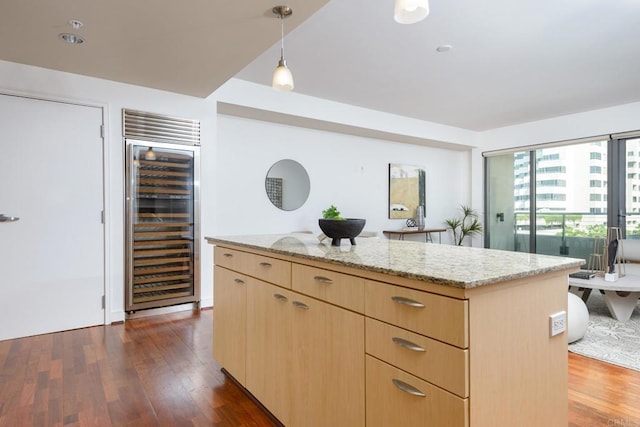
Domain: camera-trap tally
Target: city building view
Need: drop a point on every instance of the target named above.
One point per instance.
(571, 187)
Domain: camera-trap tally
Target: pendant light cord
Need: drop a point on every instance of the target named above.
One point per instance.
(281, 37)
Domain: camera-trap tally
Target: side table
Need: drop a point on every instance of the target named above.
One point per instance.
(426, 231)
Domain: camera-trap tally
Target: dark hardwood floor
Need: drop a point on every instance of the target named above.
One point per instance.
(601, 394)
(154, 371)
(158, 371)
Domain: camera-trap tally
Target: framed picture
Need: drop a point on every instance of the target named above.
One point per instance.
(406, 190)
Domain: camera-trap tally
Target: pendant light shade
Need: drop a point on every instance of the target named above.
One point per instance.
(410, 11)
(282, 77)
(149, 154)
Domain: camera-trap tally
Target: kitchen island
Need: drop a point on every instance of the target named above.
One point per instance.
(392, 332)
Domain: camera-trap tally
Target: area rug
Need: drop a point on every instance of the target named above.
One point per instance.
(608, 339)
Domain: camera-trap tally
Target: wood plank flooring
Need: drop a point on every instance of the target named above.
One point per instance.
(158, 371)
(601, 394)
(154, 371)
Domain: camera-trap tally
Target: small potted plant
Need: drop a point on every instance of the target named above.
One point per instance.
(336, 227)
(467, 225)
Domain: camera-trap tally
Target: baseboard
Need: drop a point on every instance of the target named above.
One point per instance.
(117, 317)
(162, 310)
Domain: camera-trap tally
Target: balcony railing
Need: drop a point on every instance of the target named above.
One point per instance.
(567, 233)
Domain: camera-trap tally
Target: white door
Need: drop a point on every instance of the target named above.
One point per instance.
(51, 259)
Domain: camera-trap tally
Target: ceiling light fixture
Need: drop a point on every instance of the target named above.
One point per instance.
(76, 24)
(410, 11)
(282, 77)
(71, 38)
(149, 154)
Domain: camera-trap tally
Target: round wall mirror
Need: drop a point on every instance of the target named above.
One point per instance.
(287, 185)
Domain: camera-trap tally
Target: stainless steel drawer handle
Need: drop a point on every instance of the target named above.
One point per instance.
(4, 218)
(280, 297)
(301, 305)
(227, 254)
(239, 281)
(265, 264)
(408, 388)
(407, 344)
(407, 301)
(322, 279)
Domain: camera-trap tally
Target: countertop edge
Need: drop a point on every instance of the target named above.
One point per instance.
(569, 266)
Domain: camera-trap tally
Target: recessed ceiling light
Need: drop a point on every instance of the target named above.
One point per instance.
(76, 24)
(444, 48)
(71, 38)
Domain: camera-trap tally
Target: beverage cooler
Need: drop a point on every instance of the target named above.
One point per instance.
(162, 224)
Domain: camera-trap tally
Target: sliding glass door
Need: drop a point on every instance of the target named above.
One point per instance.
(571, 198)
(569, 209)
(507, 192)
(632, 188)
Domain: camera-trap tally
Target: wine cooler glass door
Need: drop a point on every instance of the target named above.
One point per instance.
(162, 239)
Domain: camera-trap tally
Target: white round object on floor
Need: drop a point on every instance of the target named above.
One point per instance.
(577, 318)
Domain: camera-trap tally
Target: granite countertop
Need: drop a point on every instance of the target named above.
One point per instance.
(457, 266)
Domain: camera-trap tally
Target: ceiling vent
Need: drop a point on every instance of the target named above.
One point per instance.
(155, 127)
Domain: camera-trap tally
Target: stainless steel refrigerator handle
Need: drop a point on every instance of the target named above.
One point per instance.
(4, 218)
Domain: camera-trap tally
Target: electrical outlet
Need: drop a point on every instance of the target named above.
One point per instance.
(557, 323)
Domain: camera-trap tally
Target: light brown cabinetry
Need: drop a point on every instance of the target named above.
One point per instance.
(304, 357)
(417, 357)
(441, 364)
(233, 272)
(396, 398)
(336, 288)
(269, 355)
(327, 345)
(269, 269)
(327, 367)
(230, 321)
(436, 316)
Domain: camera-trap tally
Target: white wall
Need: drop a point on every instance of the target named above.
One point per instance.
(348, 171)
(41, 83)
(622, 118)
(242, 93)
(236, 155)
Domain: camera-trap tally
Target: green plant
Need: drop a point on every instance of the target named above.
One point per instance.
(331, 213)
(467, 225)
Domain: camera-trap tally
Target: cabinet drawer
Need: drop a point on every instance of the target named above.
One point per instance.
(396, 398)
(337, 288)
(440, 364)
(436, 316)
(271, 270)
(229, 321)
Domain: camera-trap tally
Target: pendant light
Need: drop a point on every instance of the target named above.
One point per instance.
(410, 11)
(149, 154)
(282, 77)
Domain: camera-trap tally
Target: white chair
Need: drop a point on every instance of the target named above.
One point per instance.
(577, 318)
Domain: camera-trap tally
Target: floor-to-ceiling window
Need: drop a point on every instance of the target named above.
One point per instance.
(508, 195)
(571, 198)
(570, 208)
(632, 188)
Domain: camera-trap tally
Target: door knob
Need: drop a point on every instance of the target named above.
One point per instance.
(4, 218)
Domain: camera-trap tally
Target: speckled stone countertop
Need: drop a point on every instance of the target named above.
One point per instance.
(456, 266)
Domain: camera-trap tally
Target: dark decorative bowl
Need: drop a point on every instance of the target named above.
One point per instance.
(338, 229)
